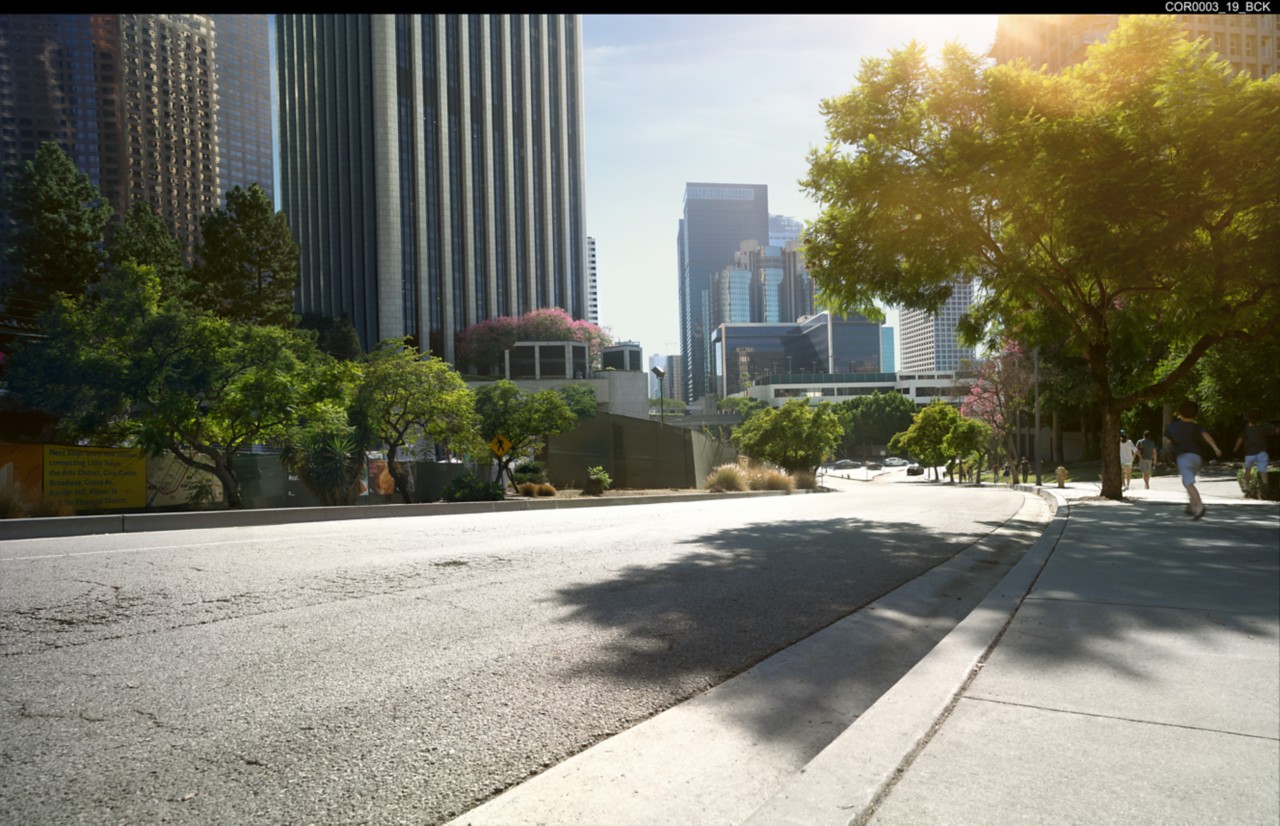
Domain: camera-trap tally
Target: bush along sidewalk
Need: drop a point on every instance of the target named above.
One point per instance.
(1254, 491)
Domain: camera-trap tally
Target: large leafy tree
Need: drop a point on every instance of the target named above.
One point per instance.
(524, 419)
(1003, 387)
(55, 238)
(247, 267)
(926, 438)
(122, 364)
(872, 420)
(410, 395)
(144, 239)
(794, 437)
(1128, 206)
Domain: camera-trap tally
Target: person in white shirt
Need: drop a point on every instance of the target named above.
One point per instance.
(1127, 451)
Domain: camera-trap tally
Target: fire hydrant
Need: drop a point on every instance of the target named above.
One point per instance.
(1061, 473)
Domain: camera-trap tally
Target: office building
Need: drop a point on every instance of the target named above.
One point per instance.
(888, 360)
(929, 342)
(168, 109)
(593, 284)
(819, 344)
(784, 229)
(432, 168)
(1055, 41)
(717, 219)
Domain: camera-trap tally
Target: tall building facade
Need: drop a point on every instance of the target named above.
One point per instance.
(929, 342)
(432, 168)
(593, 283)
(717, 219)
(1248, 41)
(152, 107)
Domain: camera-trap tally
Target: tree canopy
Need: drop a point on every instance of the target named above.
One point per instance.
(247, 266)
(1128, 206)
(411, 395)
(793, 437)
(926, 438)
(521, 417)
(872, 420)
(57, 219)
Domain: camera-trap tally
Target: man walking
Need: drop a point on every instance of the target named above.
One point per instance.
(1186, 437)
(1146, 457)
(1127, 451)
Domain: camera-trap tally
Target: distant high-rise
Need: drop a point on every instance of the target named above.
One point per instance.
(929, 341)
(168, 109)
(432, 168)
(593, 284)
(717, 219)
(1055, 41)
(783, 229)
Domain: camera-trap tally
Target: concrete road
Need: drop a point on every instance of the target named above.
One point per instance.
(406, 669)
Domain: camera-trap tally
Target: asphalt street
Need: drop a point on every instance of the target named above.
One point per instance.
(407, 669)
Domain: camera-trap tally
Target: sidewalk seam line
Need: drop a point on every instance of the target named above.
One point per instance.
(1121, 719)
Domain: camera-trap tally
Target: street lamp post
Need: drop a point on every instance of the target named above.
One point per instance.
(662, 413)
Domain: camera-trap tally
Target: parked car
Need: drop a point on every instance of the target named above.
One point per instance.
(846, 464)
(914, 470)
(872, 465)
(894, 461)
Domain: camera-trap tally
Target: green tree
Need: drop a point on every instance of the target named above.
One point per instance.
(581, 399)
(743, 406)
(677, 406)
(872, 420)
(55, 238)
(247, 266)
(335, 336)
(524, 419)
(411, 395)
(123, 365)
(1123, 206)
(794, 437)
(143, 238)
(968, 437)
(926, 438)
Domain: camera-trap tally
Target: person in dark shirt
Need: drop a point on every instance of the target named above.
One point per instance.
(1147, 448)
(1254, 440)
(1186, 437)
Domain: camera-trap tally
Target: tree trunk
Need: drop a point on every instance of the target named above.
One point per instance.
(1058, 456)
(398, 472)
(1112, 483)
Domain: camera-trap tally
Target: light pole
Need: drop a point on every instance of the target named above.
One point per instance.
(662, 391)
(1035, 446)
(662, 413)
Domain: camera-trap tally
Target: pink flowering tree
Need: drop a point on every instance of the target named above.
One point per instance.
(1003, 387)
(482, 345)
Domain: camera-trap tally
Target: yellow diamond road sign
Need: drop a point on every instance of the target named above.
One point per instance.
(500, 444)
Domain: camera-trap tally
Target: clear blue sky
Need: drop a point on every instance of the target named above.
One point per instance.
(733, 99)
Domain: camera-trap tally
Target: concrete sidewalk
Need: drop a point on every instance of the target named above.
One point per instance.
(1126, 670)
(1137, 681)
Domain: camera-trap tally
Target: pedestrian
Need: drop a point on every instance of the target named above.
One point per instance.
(1127, 451)
(1185, 437)
(1254, 440)
(1147, 448)
(1026, 469)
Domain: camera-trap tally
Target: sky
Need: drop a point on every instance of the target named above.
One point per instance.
(671, 99)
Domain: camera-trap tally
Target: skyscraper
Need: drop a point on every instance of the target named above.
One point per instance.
(717, 219)
(432, 168)
(593, 283)
(152, 107)
(929, 341)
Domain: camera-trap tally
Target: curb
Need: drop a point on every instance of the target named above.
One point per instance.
(60, 526)
(845, 782)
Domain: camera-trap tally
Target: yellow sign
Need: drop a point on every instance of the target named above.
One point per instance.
(95, 478)
(500, 445)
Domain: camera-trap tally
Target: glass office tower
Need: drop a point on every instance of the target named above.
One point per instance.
(717, 219)
(432, 168)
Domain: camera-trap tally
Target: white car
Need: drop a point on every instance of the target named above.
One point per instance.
(894, 461)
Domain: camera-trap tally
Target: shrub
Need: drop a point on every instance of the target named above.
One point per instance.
(545, 489)
(598, 481)
(726, 477)
(13, 506)
(805, 480)
(1255, 489)
(769, 479)
(469, 488)
(527, 488)
(529, 472)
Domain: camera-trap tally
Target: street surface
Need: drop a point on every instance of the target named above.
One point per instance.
(407, 669)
